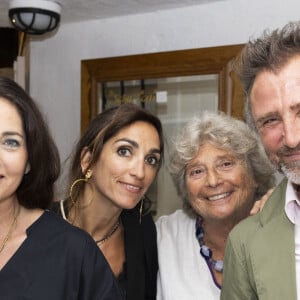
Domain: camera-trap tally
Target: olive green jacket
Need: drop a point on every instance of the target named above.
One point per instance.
(260, 255)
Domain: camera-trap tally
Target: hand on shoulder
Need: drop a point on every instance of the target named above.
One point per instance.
(259, 204)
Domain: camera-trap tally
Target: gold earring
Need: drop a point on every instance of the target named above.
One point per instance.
(87, 176)
(141, 210)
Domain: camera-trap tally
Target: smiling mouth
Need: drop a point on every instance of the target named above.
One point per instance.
(288, 152)
(218, 197)
(132, 188)
(292, 156)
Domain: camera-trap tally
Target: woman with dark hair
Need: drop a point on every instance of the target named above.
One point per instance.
(41, 256)
(114, 164)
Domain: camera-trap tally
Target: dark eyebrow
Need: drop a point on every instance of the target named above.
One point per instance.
(133, 143)
(9, 133)
(136, 145)
(265, 117)
(269, 115)
(295, 106)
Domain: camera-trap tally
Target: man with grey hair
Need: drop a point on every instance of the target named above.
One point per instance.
(262, 258)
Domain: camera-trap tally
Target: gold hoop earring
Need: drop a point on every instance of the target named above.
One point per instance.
(87, 176)
(141, 210)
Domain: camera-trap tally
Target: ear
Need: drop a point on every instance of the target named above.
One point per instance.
(85, 159)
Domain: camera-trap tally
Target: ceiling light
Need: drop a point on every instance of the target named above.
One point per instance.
(34, 16)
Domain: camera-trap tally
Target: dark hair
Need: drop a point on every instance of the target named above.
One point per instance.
(269, 52)
(103, 127)
(36, 189)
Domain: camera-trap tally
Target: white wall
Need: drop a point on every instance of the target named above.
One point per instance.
(55, 62)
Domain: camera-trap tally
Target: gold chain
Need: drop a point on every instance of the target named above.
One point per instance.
(11, 228)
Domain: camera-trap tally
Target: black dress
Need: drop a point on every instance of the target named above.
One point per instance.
(57, 261)
(138, 279)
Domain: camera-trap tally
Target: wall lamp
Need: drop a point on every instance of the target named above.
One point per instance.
(34, 16)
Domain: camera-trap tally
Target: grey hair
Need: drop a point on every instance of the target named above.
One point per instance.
(270, 52)
(224, 132)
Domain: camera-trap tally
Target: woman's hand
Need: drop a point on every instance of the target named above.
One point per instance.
(259, 204)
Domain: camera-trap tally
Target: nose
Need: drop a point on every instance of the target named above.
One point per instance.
(138, 169)
(213, 178)
(291, 133)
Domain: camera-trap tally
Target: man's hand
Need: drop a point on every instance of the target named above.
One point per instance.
(259, 204)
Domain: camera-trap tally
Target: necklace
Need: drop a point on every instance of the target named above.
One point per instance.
(10, 230)
(105, 238)
(109, 234)
(205, 251)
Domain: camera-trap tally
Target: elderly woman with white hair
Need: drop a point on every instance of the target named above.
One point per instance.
(219, 169)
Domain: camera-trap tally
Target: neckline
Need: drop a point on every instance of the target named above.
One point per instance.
(37, 221)
(98, 241)
(22, 245)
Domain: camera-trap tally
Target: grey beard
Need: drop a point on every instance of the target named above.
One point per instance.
(291, 171)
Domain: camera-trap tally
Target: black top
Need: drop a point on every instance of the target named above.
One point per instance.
(141, 255)
(138, 279)
(57, 261)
